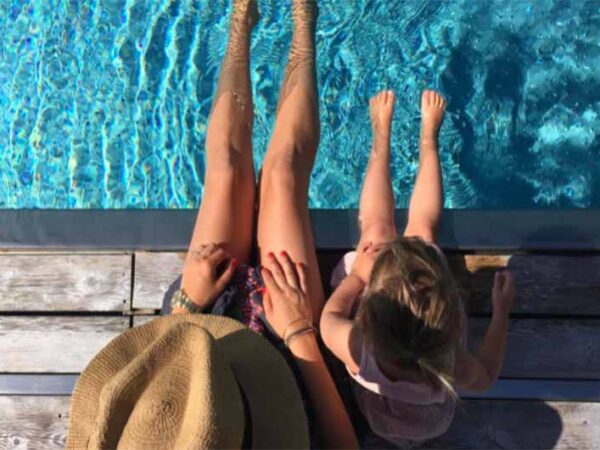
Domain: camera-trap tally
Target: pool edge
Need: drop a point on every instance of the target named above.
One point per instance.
(170, 230)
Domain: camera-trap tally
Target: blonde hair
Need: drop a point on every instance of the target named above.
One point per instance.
(412, 313)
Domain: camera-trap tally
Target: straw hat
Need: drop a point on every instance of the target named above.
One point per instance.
(187, 381)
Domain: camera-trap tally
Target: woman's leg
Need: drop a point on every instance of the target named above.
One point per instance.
(376, 211)
(283, 220)
(226, 215)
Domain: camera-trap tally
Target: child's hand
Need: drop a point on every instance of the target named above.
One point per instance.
(363, 265)
(503, 292)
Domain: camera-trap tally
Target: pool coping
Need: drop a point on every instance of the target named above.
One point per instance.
(170, 230)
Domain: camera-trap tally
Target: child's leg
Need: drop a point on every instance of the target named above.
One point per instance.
(226, 215)
(427, 199)
(283, 219)
(376, 213)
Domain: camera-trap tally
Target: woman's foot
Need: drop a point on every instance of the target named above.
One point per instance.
(433, 106)
(381, 108)
(304, 13)
(246, 11)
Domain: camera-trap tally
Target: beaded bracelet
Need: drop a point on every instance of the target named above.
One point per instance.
(181, 300)
(300, 332)
(305, 323)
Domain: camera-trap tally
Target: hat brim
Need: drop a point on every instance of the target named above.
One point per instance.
(276, 410)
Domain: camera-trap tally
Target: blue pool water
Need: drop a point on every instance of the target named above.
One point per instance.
(103, 103)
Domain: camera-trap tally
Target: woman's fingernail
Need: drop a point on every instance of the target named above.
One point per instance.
(234, 262)
(272, 255)
(283, 253)
(262, 291)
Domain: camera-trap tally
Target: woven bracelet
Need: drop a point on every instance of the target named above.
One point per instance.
(304, 322)
(300, 332)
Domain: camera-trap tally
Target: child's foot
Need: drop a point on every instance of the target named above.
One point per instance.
(433, 106)
(247, 11)
(381, 108)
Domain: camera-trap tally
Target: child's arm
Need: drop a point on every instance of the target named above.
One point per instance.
(479, 373)
(337, 329)
(427, 199)
(339, 332)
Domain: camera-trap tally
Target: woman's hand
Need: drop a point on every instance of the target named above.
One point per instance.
(285, 300)
(206, 272)
(503, 292)
(365, 258)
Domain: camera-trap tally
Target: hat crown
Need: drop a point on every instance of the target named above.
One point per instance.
(252, 393)
(180, 392)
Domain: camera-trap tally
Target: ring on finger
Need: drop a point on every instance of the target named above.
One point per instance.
(199, 253)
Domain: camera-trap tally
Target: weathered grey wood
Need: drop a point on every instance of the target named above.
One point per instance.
(518, 425)
(41, 422)
(501, 424)
(33, 422)
(537, 348)
(37, 383)
(63, 282)
(54, 344)
(547, 348)
(546, 284)
(141, 320)
(154, 273)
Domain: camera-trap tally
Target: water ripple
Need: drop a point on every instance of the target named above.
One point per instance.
(104, 103)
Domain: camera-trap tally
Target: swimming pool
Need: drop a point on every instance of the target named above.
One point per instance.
(103, 103)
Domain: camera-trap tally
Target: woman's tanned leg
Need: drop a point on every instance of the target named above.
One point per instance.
(283, 220)
(226, 215)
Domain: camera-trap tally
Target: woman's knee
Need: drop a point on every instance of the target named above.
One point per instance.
(287, 169)
(227, 163)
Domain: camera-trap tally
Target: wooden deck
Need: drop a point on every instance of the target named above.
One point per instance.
(58, 309)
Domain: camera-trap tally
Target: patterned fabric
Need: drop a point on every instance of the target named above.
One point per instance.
(242, 300)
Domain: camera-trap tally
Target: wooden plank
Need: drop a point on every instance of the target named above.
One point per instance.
(154, 274)
(41, 422)
(547, 348)
(538, 389)
(537, 348)
(37, 384)
(61, 282)
(502, 424)
(33, 422)
(546, 284)
(519, 424)
(141, 320)
(54, 344)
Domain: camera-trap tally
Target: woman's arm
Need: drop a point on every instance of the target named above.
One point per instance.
(288, 311)
(204, 276)
(335, 428)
